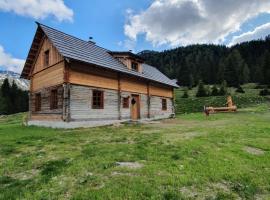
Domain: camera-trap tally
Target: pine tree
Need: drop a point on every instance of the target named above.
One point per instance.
(12, 99)
(221, 69)
(223, 89)
(234, 65)
(266, 67)
(190, 81)
(201, 90)
(215, 91)
(185, 95)
(245, 74)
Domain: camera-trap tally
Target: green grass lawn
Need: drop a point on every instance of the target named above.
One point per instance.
(224, 156)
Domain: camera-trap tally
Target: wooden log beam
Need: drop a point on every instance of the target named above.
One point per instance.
(119, 96)
(148, 100)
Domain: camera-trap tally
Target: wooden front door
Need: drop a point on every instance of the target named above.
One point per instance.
(135, 107)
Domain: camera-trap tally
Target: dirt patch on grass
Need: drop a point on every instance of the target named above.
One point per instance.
(253, 150)
(122, 174)
(26, 175)
(210, 191)
(131, 165)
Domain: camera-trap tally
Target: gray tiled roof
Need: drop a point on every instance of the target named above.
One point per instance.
(77, 49)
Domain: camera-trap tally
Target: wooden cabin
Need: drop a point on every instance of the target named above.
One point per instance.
(72, 80)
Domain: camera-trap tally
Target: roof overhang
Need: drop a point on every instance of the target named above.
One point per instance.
(32, 54)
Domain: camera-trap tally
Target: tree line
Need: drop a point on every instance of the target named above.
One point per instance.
(213, 64)
(12, 99)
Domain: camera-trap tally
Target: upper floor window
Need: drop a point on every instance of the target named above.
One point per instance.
(46, 58)
(98, 99)
(134, 66)
(164, 104)
(38, 102)
(54, 99)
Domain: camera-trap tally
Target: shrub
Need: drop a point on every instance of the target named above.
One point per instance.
(240, 90)
(185, 95)
(259, 87)
(223, 89)
(202, 92)
(264, 92)
(215, 91)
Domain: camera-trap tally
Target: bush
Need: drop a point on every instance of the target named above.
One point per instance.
(215, 91)
(185, 95)
(259, 87)
(240, 90)
(264, 92)
(223, 89)
(202, 92)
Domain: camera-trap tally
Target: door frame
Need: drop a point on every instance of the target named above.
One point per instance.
(138, 102)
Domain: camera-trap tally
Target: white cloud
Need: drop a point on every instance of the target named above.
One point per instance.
(38, 9)
(258, 33)
(183, 22)
(10, 63)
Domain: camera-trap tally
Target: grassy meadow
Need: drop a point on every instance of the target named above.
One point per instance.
(224, 156)
(193, 104)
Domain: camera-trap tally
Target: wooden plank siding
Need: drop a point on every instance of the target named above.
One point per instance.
(54, 56)
(51, 76)
(94, 80)
(161, 91)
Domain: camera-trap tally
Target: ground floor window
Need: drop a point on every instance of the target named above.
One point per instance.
(37, 102)
(126, 102)
(164, 104)
(98, 99)
(54, 99)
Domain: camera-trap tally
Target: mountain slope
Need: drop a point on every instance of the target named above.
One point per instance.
(242, 63)
(12, 76)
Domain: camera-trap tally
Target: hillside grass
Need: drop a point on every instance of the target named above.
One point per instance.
(194, 104)
(224, 156)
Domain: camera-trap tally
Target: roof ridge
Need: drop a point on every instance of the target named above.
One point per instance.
(38, 23)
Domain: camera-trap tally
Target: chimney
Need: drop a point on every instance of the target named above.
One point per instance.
(91, 40)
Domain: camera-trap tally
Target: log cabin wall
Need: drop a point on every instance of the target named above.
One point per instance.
(156, 111)
(44, 78)
(46, 113)
(81, 105)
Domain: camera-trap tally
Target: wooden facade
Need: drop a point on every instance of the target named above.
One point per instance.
(124, 96)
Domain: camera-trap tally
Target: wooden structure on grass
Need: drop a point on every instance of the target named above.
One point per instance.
(76, 80)
(230, 107)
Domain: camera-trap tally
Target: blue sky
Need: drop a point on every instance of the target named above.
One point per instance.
(129, 24)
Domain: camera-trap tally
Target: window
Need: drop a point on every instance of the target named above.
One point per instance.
(97, 99)
(134, 66)
(164, 104)
(46, 58)
(38, 102)
(126, 102)
(54, 99)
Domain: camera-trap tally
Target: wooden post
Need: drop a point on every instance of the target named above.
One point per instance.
(30, 100)
(148, 100)
(119, 96)
(66, 102)
(66, 93)
(173, 102)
